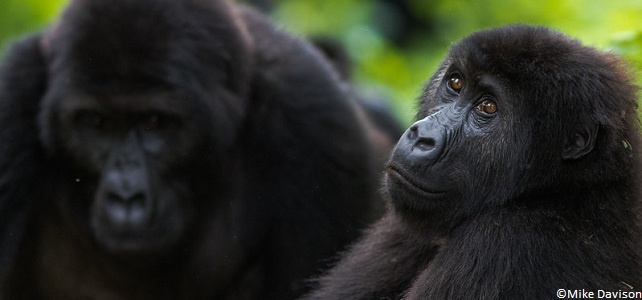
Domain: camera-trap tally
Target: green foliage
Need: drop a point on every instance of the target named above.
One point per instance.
(20, 16)
(398, 71)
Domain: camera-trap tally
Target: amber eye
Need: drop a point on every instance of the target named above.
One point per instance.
(456, 83)
(488, 106)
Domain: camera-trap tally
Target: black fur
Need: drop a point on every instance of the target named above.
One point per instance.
(538, 195)
(265, 168)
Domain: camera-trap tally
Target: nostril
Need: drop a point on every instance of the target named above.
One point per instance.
(137, 199)
(412, 132)
(114, 199)
(123, 210)
(137, 207)
(425, 144)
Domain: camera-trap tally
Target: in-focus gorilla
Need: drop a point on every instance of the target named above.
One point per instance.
(520, 177)
(166, 149)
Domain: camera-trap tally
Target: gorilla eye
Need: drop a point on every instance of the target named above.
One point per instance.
(156, 121)
(456, 83)
(153, 122)
(90, 119)
(488, 106)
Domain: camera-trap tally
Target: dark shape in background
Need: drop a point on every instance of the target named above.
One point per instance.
(167, 149)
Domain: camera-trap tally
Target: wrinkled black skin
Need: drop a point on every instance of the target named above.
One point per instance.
(164, 149)
(541, 195)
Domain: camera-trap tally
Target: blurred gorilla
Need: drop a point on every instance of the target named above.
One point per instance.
(165, 149)
(386, 129)
(520, 177)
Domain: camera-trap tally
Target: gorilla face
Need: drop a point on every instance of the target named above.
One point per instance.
(129, 184)
(457, 129)
(488, 130)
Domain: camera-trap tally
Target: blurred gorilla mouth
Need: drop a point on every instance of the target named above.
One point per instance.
(397, 174)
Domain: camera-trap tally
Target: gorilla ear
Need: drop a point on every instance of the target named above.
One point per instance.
(580, 144)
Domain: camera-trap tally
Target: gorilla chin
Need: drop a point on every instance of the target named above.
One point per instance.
(138, 243)
(405, 191)
(397, 175)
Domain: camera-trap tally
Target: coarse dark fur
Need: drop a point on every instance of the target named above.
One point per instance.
(165, 149)
(539, 194)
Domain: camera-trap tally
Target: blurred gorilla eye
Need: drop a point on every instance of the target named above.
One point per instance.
(158, 121)
(488, 106)
(153, 122)
(90, 119)
(455, 83)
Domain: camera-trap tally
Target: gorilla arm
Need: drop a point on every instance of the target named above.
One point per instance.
(22, 82)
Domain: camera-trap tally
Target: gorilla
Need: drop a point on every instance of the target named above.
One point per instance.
(520, 180)
(175, 149)
(386, 129)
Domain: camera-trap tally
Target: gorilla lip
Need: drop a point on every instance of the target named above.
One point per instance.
(397, 174)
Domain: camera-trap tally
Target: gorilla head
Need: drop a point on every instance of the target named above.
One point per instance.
(127, 115)
(512, 114)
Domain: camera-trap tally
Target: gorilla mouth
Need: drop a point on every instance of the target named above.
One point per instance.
(397, 174)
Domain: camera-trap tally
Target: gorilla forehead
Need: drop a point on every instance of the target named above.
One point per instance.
(557, 71)
(518, 51)
(115, 42)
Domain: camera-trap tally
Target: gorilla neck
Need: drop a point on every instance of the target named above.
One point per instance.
(611, 198)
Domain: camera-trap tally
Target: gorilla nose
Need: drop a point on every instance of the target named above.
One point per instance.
(125, 198)
(421, 144)
(425, 139)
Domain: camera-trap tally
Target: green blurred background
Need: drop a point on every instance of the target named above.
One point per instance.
(395, 45)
